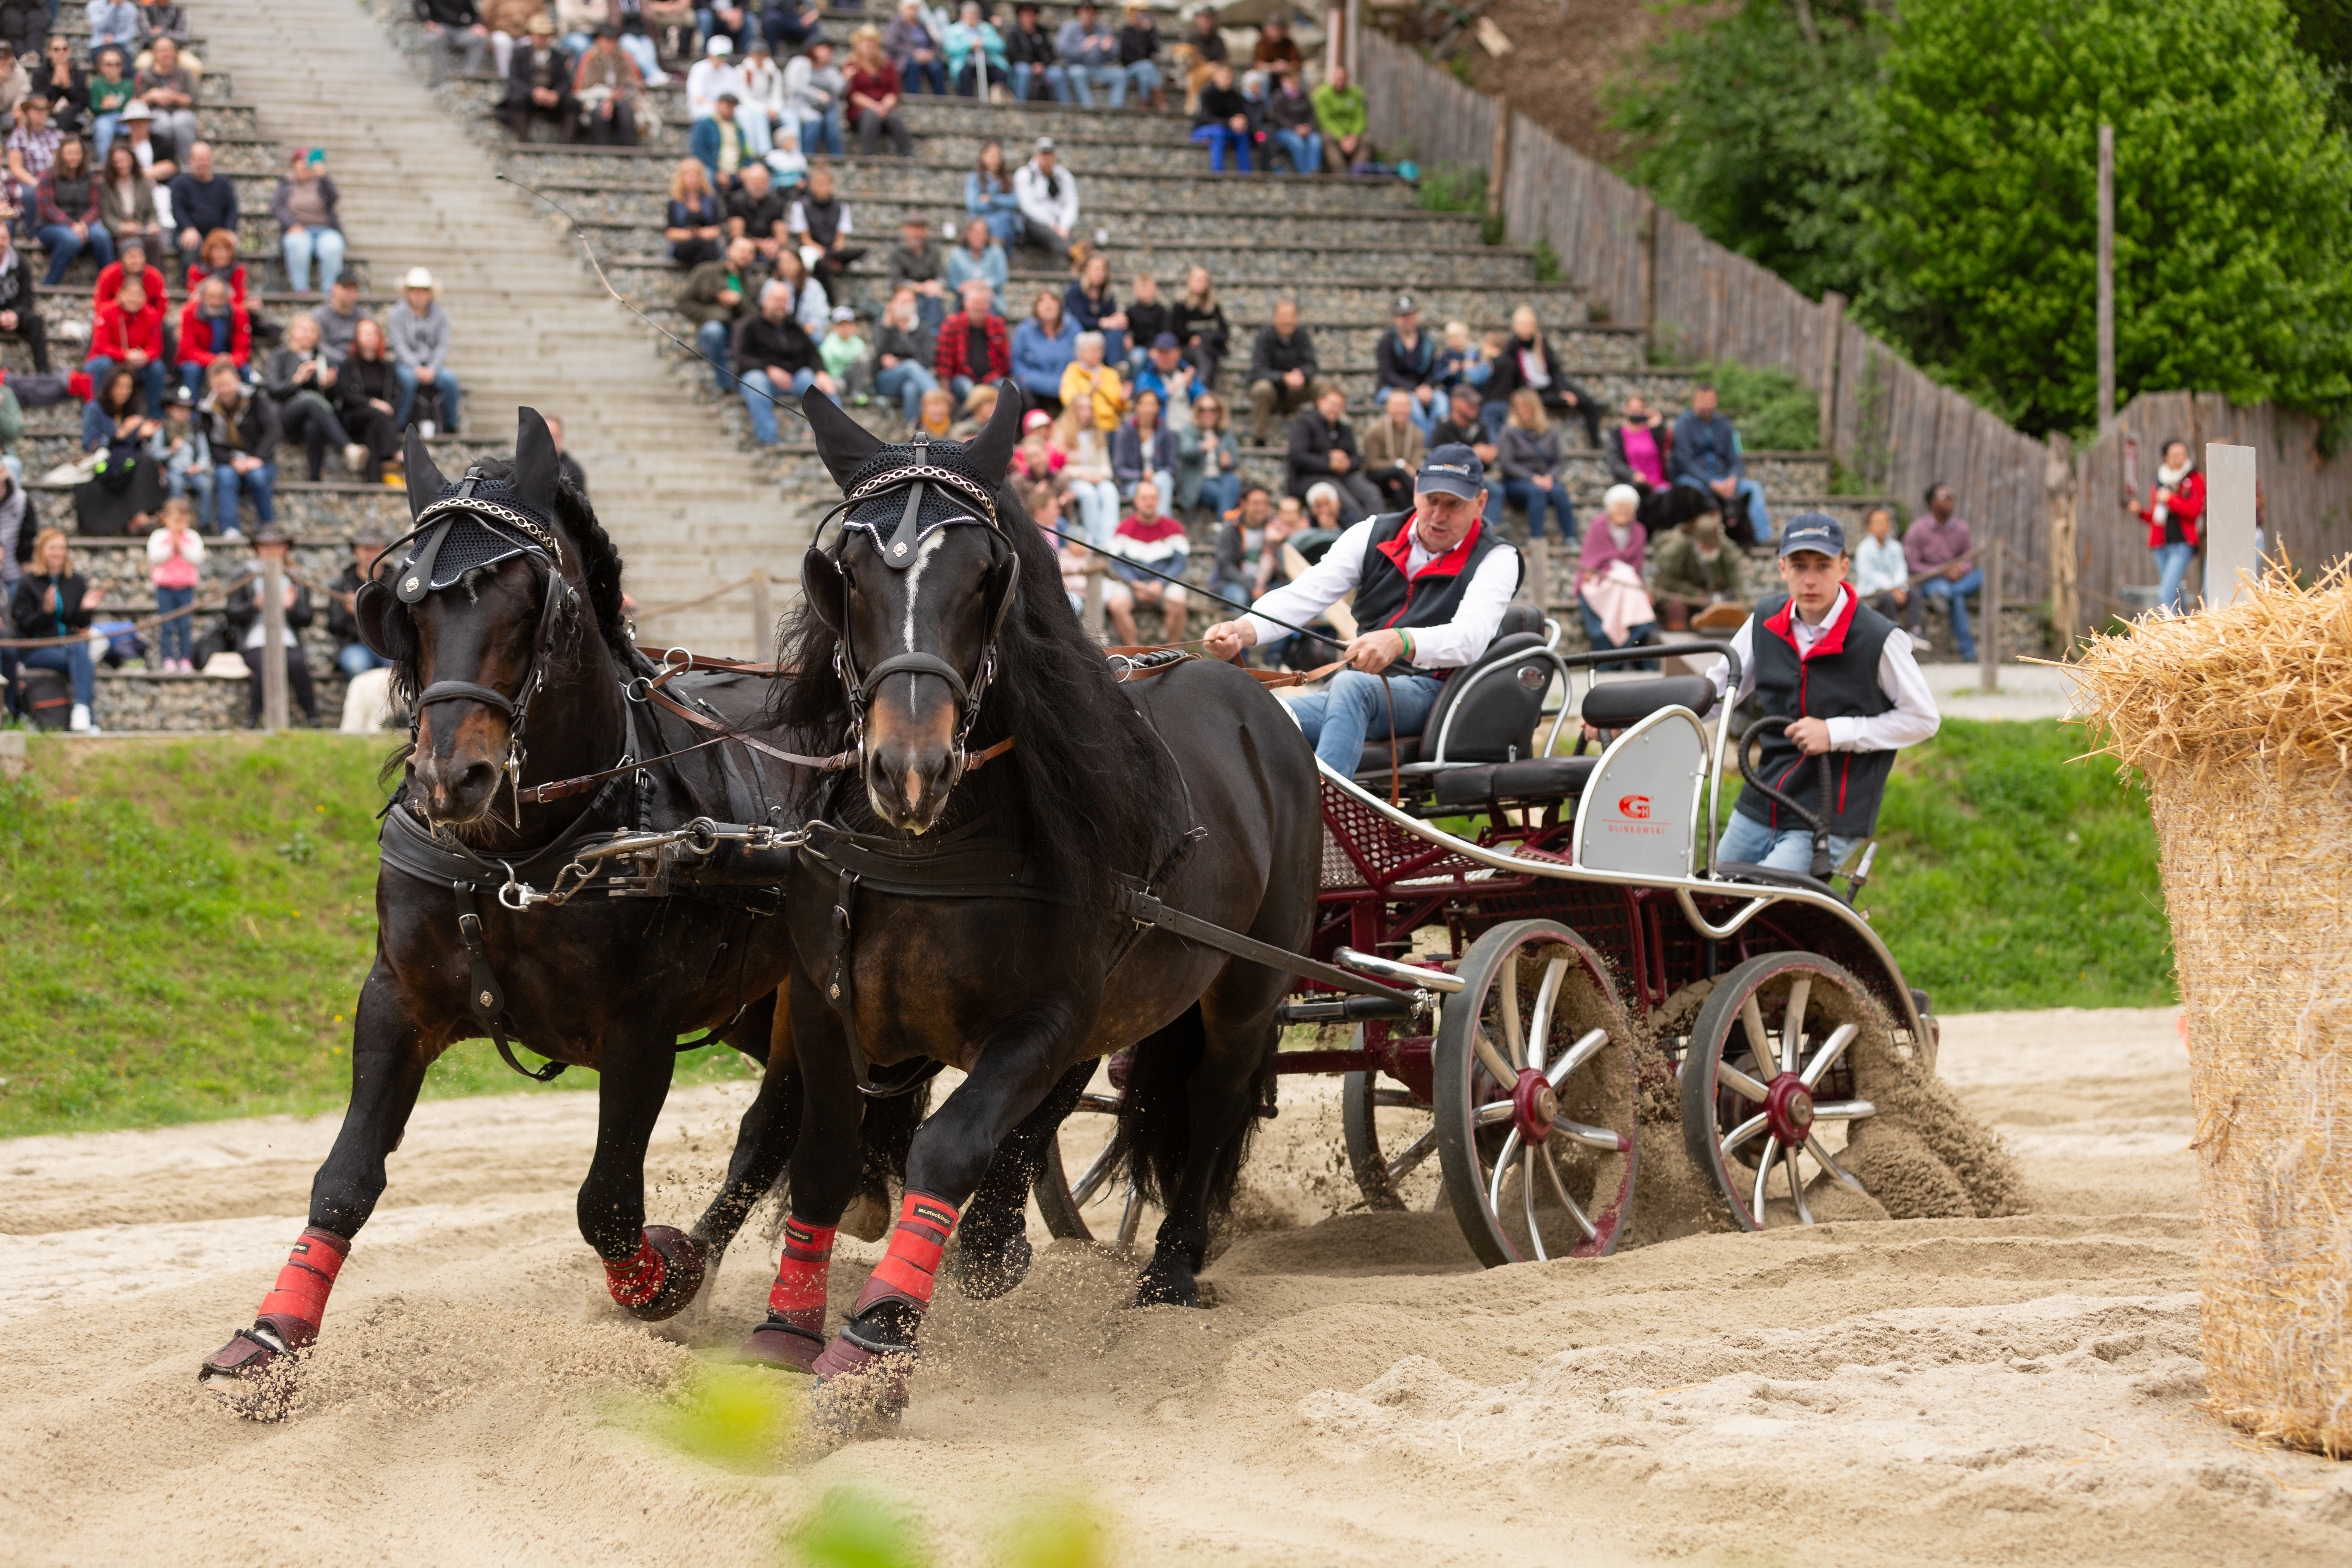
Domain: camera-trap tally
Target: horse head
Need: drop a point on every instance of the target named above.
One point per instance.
(471, 614)
(915, 590)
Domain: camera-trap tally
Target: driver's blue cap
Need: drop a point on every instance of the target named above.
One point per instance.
(1453, 469)
(1814, 530)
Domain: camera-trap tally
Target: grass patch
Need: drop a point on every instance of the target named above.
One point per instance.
(183, 929)
(1453, 189)
(1774, 410)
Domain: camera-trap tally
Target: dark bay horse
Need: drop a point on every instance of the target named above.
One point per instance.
(946, 913)
(505, 623)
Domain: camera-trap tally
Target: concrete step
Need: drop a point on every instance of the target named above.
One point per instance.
(625, 224)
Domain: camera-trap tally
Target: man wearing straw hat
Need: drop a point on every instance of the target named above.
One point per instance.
(1843, 677)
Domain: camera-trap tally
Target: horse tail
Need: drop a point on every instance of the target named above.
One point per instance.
(1155, 1113)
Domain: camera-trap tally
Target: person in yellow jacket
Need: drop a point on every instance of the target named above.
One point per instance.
(1090, 384)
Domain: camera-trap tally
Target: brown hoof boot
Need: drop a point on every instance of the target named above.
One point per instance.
(660, 1281)
(860, 1389)
(784, 1346)
(254, 1372)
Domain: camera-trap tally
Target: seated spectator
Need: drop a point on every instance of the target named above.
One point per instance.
(671, 27)
(1048, 198)
(917, 264)
(1394, 446)
(1637, 448)
(813, 89)
(175, 560)
(1045, 505)
(367, 399)
(52, 600)
(62, 82)
(1339, 115)
(1165, 373)
(1534, 467)
(126, 201)
(610, 90)
(110, 94)
(178, 449)
(447, 22)
(728, 19)
(117, 418)
(160, 19)
(32, 146)
(576, 22)
(1323, 448)
(1938, 547)
(979, 260)
(242, 431)
(131, 268)
(774, 358)
(213, 327)
(977, 65)
(1088, 301)
(759, 87)
(417, 331)
(1138, 41)
(872, 84)
(1143, 448)
(757, 211)
(1086, 468)
(1283, 372)
(988, 197)
(567, 466)
(310, 229)
(1698, 570)
(1406, 357)
(508, 23)
(904, 348)
(1527, 360)
(721, 144)
(64, 206)
(1208, 460)
(128, 332)
(811, 307)
(1147, 537)
(20, 310)
(250, 632)
(846, 356)
(819, 223)
(979, 408)
(301, 380)
(1705, 454)
(1466, 427)
(790, 23)
(203, 203)
(15, 80)
(1199, 322)
(1461, 362)
(1043, 348)
(1202, 50)
(713, 77)
(935, 415)
(1239, 542)
(1609, 593)
(692, 225)
(338, 317)
(1037, 70)
(157, 156)
(352, 656)
(913, 52)
(1274, 58)
(539, 86)
(974, 346)
(715, 296)
(169, 90)
(1090, 386)
(1224, 121)
(1147, 318)
(1089, 52)
(1882, 573)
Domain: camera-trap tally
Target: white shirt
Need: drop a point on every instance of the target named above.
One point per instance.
(1879, 568)
(796, 221)
(1036, 202)
(1449, 647)
(707, 80)
(806, 93)
(762, 87)
(1913, 718)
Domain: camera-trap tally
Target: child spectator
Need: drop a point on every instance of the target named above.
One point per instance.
(988, 197)
(974, 346)
(1043, 348)
(417, 328)
(1339, 115)
(177, 448)
(979, 260)
(52, 600)
(1143, 448)
(1091, 388)
(1147, 537)
(1460, 363)
(845, 355)
(904, 348)
(309, 231)
(1208, 461)
(175, 558)
(935, 416)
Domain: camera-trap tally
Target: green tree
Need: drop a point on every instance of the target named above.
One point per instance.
(1761, 135)
(2233, 204)
(2324, 29)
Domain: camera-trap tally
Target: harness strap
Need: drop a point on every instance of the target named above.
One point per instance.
(1146, 910)
(466, 691)
(484, 995)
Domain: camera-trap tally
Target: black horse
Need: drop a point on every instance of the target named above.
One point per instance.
(504, 621)
(943, 912)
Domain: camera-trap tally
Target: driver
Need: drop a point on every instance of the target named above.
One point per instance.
(1431, 587)
(1845, 681)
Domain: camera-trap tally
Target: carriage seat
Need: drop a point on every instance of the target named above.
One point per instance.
(1620, 704)
(1498, 715)
(1535, 779)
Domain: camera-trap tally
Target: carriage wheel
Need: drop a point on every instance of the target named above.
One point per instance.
(1534, 1097)
(1769, 1088)
(1391, 1136)
(1084, 1193)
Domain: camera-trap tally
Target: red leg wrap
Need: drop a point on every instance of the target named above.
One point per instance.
(300, 1294)
(907, 1270)
(639, 1279)
(799, 1293)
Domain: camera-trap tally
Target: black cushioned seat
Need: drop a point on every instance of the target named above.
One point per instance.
(1538, 778)
(1742, 871)
(1621, 703)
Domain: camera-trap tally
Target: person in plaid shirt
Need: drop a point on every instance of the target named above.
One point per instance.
(32, 148)
(973, 347)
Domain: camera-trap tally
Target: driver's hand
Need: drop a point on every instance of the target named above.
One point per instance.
(1375, 651)
(1226, 639)
(1811, 736)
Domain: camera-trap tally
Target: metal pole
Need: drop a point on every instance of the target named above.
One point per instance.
(273, 636)
(1988, 639)
(763, 613)
(2107, 277)
(2229, 523)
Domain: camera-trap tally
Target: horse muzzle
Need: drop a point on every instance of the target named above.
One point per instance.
(907, 784)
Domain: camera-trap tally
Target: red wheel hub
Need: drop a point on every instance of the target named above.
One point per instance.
(1533, 1106)
(1788, 1109)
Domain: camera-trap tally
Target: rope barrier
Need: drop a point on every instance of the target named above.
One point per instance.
(717, 592)
(148, 622)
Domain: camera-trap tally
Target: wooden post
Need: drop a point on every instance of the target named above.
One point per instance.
(273, 634)
(1988, 639)
(1349, 49)
(1649, 260)
(1832, 333)
(2107, 277)
(763, 613)
(2066, 597)
(1093, 620)
(1498, 159)
(1334, 20)
(2229, 523)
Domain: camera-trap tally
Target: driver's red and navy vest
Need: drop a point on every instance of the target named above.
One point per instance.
(1387, 598)
(1838, 680)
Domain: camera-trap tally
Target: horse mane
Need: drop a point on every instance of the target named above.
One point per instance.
(1091, 786)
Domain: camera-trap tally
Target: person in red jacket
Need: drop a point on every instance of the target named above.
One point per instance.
(134, 264)
(129, 330)
(960, 361)
(214, 326)
(218, 257)
(2174, 508)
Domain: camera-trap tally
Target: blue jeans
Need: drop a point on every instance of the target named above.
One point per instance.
(1083, 79)
(1752, 842)
(1535, 502)
(924, 75)
(1145, 77)
(1597, 634)
(821, 135)
(1955, 594)
(1303, 148)
(450, 393)
(153, 378)
(63, 246)
(357, 658)
(1057, 83)
(72, 661)
(1221, 492)
(323, 246)
(226, 483)
(763, 412)
(907, 381)
(1749, 495)
(179, 482)
(1337, 718)
(1223, 140)
(711, 338)
(101, 134)
(172, 638)
(2172, 562)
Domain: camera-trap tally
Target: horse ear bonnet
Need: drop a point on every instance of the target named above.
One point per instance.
(478, 520)
(841, 441)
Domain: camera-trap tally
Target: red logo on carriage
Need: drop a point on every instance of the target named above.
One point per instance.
(1636, 806)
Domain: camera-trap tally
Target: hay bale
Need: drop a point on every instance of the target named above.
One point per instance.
(2240, 720)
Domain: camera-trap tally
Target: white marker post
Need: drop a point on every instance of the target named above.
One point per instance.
(2229, 523)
